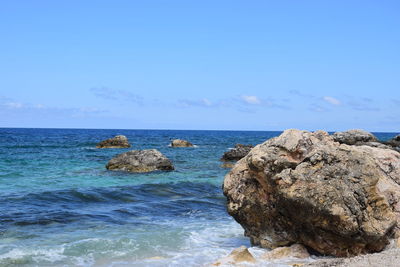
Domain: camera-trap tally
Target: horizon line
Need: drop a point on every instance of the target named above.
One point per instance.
(146, 129)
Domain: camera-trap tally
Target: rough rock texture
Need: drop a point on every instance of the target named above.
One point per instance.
(238, 255)
(294, 251)
(394, 142)
(354, 137)
(140, 161)
(119, 141)
(180, 143)
(227, 165)
(236, 153)
(303, 187)
(388, 258)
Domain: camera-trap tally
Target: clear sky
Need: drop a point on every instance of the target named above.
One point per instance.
(239, 65)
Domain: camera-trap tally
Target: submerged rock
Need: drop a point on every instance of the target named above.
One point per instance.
(140, 161)
(180, 143)
(236, 153)
(354, 137)
(238, 255)
(303, 187)
(119, 141)
(294, 251)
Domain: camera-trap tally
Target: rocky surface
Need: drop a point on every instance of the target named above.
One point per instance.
(238, 255)
(294, 251)
(236, 153)
(354, 137)
(304, 187)
(119, 141)
(180, 143)
(140, 161)
(227, 165)
(388, 258)
(394, 142)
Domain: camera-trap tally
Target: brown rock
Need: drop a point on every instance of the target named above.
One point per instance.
(140, 161)
(180, 143)
(227, 165)
(119, 141)
(294, 251)
(303, 187)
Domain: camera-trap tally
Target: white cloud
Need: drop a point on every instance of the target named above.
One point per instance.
(207, 102)
(332, 100)
(251, 99)
(15, 105)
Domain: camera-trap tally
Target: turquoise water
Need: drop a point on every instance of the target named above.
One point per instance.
(61, 207)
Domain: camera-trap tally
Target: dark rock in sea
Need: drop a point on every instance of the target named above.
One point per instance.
(303, 187)
(236, 153)
(394, 142)
(119, 141)
(180, 143)
(140, 161)
(354, 137)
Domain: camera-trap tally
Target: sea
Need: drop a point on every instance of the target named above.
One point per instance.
(59, 206)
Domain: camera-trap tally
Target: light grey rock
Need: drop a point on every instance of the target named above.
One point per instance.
(140, 161)
(354, 137)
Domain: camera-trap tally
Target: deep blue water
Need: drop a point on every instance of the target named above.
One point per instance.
(61, 207)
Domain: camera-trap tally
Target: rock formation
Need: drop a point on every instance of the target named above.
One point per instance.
(119, 141)
(180, 143)
(140, 161)
(394, 142)
(304, 187)
(236, 153)
(354, 137)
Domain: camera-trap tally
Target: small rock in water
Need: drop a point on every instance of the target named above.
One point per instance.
(236, 153)
(354, 137)
(140, 161)
(180, 143)
(119, 141)
(238, 255)
(294, 251)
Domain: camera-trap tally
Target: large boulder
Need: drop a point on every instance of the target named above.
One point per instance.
(140, 161)
(354, 137)
(180, 143)
(236, 153)
(304, 187)
(119, 141)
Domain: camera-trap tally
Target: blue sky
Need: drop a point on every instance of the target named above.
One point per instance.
(239, 65)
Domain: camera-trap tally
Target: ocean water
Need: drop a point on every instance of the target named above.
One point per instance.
(59, 206)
